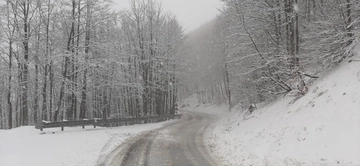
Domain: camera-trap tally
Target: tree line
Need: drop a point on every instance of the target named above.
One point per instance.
(256, 50)
(81, 59)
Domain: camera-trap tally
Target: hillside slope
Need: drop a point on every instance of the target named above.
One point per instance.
(321, 128)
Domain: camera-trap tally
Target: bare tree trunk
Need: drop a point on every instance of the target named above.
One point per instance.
(70, 99)
(67, 61)
(36, 93)
(292, 35)
(297, 37)
(25, 71)
(23, 7)
(292, 32)
(74, 78)
(104, 103)
(45, 112)
(227, 84)
(2, 119)
(287, 25)
(349, 20)
(87, 45)
(17, 111)
(11, 32)
(51, 89)
(10, 109)
(277, 24)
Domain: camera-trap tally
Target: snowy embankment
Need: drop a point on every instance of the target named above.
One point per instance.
(72, 147)
(320, 129)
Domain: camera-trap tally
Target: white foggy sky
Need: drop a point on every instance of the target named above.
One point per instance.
(190, 13)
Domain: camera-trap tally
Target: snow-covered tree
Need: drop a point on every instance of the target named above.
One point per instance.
(80, 59)
(270, 47)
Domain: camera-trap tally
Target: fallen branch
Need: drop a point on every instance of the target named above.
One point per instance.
(311, 76)
(356, 60)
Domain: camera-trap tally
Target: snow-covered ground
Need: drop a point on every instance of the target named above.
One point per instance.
(320, 129)
(72, 147)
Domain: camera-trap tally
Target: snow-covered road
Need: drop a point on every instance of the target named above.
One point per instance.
(180, 143)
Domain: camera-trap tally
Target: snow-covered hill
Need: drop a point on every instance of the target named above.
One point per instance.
(320, 129)
(72, 147)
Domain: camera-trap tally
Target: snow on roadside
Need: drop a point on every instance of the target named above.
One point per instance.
(320, 129)
(74, 146)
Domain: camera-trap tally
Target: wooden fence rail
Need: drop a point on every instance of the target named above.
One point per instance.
(106, 122)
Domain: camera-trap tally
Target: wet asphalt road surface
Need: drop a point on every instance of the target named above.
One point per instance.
(178, 144)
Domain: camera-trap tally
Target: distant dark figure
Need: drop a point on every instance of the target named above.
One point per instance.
(252, 108)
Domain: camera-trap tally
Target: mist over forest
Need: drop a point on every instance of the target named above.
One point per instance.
(79, 59)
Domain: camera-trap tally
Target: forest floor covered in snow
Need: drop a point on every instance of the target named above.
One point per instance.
(73, 147)
(321, 128)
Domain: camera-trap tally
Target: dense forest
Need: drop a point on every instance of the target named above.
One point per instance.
(80, 59)
(257, 50)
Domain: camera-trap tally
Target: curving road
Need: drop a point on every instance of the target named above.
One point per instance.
(178, 144)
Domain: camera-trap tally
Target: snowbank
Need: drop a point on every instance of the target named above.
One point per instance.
(75, 146)
(320, 129)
